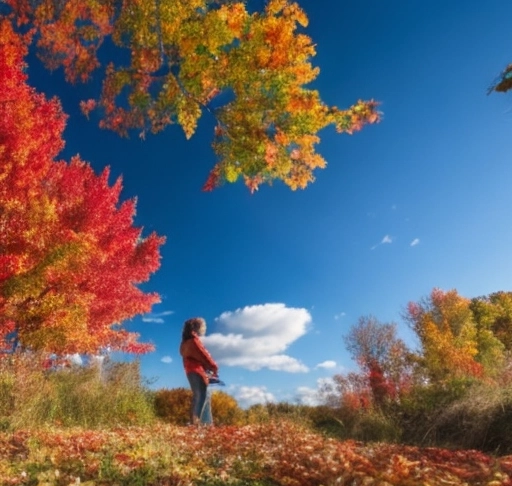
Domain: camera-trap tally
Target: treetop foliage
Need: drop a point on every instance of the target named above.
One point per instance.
(183, 56)
(70, 258)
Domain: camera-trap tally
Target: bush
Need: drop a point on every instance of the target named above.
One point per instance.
(482, 419)
(225, 410)
(420, 409)
(327, 420)
(375, 426)
(173, 406)
(257, 414)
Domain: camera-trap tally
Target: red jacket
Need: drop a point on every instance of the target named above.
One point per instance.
(196, 359)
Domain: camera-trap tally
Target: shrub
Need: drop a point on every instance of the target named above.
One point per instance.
(225, 409)
(257, 414)
(327, 420)
(482, 419)
(173, 406)
(375, 426)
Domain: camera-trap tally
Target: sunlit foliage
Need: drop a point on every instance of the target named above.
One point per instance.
(452, 344)
(249, 70)
(456, 371)
(70, 258)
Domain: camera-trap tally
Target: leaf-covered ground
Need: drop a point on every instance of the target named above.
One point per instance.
(258, 455)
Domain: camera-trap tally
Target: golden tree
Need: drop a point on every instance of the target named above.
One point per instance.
(184, 54)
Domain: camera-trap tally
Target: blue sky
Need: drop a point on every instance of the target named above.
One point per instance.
(421, 200)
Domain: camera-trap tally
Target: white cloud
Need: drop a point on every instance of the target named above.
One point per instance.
(340, 315)
(156, 318)
(329, 364)
(314, 396)
(251, 395)
(415, 242)
(308, 396)
(166, 359)
(385, 240)
(257, 337)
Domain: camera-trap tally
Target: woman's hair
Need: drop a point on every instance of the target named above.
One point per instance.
(192, 325)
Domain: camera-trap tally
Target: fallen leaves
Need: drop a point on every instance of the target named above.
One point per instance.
(275, 453)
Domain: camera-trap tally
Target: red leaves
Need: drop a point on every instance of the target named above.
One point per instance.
(71, 257)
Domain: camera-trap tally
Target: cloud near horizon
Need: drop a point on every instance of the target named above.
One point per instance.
(415, 242)
(314, 396)
(257, 337)
(329, 364)
(156, 318)
(251, 395)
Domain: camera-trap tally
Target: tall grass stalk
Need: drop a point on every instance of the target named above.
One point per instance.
(89, 396)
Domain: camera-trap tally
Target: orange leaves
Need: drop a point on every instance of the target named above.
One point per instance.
(183, 55)
(87, 106)
(280, 453)
(236, 17)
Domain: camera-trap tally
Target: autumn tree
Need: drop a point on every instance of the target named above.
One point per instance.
(249, 70)
(71, 260)
(456, 336)
(493, 314)
(383, 358)
(350, 391)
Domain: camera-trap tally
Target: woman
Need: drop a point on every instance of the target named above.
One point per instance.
(198, 363)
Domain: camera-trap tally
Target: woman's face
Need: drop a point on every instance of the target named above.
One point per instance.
(202, 329)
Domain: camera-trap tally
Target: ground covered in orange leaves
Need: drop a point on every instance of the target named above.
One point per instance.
(254, 455)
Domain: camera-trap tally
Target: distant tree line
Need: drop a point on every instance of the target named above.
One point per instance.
(454, 388)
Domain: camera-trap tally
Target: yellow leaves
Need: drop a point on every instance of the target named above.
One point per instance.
(448, 335)
(231, 173)
(188, 113)
(296, 13)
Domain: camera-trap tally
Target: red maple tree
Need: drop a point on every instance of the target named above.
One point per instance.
(70, 258)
